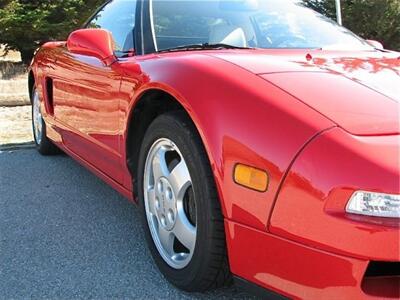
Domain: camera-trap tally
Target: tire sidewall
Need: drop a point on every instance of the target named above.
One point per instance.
(167, 127)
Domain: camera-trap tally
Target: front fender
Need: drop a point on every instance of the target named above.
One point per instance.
(241, 118)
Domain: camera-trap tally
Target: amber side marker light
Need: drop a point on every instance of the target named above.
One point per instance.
(251, 178)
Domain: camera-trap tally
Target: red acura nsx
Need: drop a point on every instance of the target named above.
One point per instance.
(259, 139)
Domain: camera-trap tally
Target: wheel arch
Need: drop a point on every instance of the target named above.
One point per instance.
(147, 107)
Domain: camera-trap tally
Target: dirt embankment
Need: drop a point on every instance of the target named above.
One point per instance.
(15, 125)
(13, 80)
(15, 110)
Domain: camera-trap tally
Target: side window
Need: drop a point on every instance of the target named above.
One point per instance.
(118, 17)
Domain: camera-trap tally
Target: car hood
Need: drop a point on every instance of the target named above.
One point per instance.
(358, 91)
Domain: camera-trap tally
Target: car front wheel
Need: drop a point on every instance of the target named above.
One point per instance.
(180, 207)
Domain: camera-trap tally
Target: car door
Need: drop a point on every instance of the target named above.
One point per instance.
(86, 104)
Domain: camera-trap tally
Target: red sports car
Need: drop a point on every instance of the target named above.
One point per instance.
(259, 139)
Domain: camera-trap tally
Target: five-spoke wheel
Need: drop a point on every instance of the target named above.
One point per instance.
(181, 213)
(170, 204)
(37, 120)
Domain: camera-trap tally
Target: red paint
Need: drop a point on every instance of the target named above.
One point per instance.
(324, 177)
(292, 269)
(271, 109)
(355, 108)
(92, 42)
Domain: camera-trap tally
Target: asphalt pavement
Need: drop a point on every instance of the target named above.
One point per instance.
(65, 234)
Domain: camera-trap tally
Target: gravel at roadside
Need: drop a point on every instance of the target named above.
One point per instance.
(15, 125)
(14, 92)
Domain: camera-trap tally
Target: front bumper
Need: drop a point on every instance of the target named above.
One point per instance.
(314, 249)
(300, 272)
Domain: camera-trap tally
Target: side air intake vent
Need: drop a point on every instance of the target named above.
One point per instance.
(382, 279)
(49, 96)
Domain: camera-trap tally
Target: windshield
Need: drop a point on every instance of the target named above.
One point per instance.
(269, 24)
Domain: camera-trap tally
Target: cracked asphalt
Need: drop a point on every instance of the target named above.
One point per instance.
(64, 234)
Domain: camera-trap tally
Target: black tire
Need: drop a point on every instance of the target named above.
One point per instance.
(208, 268)
(45, 146)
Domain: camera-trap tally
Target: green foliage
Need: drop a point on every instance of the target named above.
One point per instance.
(371, 19)
(26, 24)
(325, 7)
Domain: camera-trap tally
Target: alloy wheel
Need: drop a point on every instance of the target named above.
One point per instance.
(37, 119)
(170, 203)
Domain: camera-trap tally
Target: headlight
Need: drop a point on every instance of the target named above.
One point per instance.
(374, 204)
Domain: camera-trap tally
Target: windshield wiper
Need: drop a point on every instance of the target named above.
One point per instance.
(204, 46)
(124, 54)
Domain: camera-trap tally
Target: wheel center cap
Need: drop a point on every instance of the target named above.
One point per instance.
(165, 204)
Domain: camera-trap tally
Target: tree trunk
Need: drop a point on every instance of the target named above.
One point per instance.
(26, 56)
